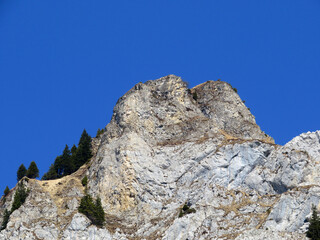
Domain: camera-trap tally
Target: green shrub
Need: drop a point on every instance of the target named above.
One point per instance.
(185, 207)
(84, 181)
(100, 131)
(93, 211)
(195, 96)
(186, 210)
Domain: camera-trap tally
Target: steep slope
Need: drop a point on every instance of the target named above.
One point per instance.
(168, 146)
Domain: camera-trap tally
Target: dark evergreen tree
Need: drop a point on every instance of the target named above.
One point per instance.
(19, 197)
(63, 164)
(93, 211)
(85, 137)
(84, 181)
(58, 166)
(68, 166)
(6, 191)
(87, 207)
(73, 157)
(33, 171)
(5, 220)
(51, 174)
(83, 153)
(73, 150)
(100, 219)
(313, 231)
(70, 161)
(22, 171)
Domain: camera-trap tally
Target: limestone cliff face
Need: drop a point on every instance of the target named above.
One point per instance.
(167, 146)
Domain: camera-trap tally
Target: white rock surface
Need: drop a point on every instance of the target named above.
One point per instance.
(167, 146)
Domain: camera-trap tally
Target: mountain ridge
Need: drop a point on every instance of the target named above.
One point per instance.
(167, 146)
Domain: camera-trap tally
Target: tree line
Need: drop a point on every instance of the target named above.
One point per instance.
(71, 159)
(32, 172)
(69, 162)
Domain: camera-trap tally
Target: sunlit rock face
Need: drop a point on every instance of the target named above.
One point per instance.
(169, 147)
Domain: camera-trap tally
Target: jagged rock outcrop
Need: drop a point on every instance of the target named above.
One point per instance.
(168, 146)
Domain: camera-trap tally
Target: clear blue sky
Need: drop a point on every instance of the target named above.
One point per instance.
(65, 63)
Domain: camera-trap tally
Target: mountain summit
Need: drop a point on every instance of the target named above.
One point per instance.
(179, 163)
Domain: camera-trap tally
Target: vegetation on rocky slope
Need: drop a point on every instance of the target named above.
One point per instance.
(19, 198)
(100, 132)
(93, 210)
(22, 171)
(32, 172)
(70, 160)
(6, 191)
(314, 228)
(186, 210)
(84, 181)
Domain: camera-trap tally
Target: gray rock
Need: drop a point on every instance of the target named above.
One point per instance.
(166, 147)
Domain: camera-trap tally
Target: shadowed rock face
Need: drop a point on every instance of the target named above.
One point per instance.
(167, 146)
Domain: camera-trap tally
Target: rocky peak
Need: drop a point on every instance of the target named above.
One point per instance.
(166, 111)
(178, 163)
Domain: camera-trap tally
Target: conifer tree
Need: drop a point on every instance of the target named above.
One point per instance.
(67, 163)
(22, 171)
(87, 207)
(314, 228)
(83, 153)
(5, 220)
(51, 174)
(99, 212)
(70, 160)
(6, 191)
(58, 166)
(73, 150)
(19, 197)
(33, 171)
(93, 211)
(63, 164)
